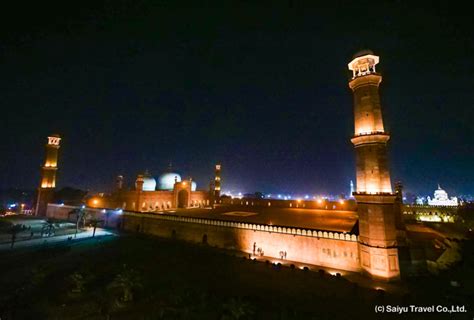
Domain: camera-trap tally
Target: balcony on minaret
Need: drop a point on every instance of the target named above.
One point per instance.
(363, 63)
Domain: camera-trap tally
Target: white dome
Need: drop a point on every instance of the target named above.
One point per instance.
(149, 184)
(166, 180)
(440, 194)
(193, 186)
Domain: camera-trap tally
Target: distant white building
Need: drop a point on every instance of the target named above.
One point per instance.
(441, 199)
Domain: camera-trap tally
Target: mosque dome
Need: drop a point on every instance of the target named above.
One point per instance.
(166, 180)
(440, 194)
(149, 183)
(193, 186)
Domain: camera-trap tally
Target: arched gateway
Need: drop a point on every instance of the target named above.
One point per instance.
(183, 199)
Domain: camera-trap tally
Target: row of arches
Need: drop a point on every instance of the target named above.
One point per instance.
(150, 206)
(293, 204)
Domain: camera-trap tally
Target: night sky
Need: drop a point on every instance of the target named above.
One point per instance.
(260, 88)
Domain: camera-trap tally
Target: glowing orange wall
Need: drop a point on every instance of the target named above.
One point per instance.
(322, 251)
(333, 253)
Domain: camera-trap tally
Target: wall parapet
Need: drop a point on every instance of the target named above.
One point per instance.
(304, 232)
(252, 226)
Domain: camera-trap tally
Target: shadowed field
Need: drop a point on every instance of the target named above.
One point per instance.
(132, 277)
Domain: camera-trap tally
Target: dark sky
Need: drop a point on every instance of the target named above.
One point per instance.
(261, 88)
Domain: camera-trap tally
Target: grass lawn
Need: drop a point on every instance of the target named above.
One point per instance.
(134, 277)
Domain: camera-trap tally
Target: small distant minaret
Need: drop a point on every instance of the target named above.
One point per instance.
(217, 183)
(351, 190)
(399, 191)
(48, 176)
(119, 183)
(139, 189)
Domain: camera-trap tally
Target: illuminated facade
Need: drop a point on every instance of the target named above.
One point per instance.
(378, 243)
(48, 175)
(441, 198)
(150, 195)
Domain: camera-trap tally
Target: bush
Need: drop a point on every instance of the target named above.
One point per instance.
(380, 293)
(355, 287)
(292, 266)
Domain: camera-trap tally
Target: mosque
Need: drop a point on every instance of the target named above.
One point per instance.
(440, 208)
(167, 192)
(371, 238)
(440, 198)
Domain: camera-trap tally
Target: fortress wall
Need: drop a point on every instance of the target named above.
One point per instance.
(346, 205)
(329, 249)
(200, 196)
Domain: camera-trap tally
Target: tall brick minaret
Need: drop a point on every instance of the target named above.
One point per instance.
(217, 183)
(378, 243)
(48, 176)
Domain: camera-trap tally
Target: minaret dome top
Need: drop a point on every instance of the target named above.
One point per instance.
(363, 63)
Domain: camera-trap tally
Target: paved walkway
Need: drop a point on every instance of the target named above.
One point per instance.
(55, 239)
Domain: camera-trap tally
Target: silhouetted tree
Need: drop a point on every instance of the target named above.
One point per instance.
(124, 285)
(81, 215)
(14, 231)
(95, 223)
(77, 283)
(70, 196)
(237, 308)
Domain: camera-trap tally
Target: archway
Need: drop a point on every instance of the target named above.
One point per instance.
(182, 199)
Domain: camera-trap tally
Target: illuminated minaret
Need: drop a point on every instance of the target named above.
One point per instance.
(48, 176)
(370, 139)
(375, 201)
(139, 190)
(217, 183)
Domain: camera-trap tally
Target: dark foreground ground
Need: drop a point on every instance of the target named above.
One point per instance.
(131, 277)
